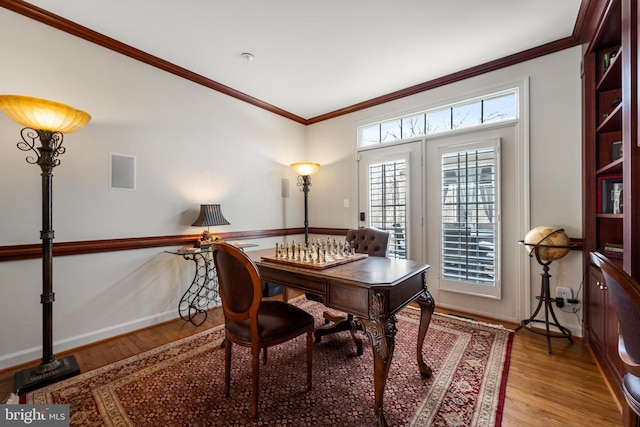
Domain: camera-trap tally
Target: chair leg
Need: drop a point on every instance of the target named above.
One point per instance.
(264, 355)
(340, 323)
(227, 367)
(309, 359)
(356, 339)
(255, 377)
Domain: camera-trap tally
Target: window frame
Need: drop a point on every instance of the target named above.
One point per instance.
(472, 287)
(384, 137)
(400, 225)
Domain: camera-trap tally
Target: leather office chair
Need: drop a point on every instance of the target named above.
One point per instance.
(369, 241)
(252, 322)
(373, 242)
(625, 293)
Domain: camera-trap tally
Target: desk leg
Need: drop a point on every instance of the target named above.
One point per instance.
(382, 331)
(427, 306)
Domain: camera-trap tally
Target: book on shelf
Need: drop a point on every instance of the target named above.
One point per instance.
(616, 150)
(614, 250)
(610, 194)
(607, 59)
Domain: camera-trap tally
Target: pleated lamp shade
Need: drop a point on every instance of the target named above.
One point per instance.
(210, 215)
(42, 114)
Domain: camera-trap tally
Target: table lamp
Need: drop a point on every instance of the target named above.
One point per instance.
(210, 215)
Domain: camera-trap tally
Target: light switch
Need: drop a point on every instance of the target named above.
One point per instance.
(346, 203)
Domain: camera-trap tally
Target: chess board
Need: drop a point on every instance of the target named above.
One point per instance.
(331, 261)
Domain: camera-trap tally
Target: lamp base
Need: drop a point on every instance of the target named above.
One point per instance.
(38, 376)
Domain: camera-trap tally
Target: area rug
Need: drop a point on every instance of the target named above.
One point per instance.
(181, 383)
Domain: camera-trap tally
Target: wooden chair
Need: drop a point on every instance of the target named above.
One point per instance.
(373, 242)
(625, 293)
(252, 322)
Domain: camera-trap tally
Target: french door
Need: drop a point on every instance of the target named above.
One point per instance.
(390, 196)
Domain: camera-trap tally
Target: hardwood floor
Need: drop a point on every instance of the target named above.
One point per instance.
(563, 389)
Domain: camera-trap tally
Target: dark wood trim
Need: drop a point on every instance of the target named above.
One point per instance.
(577, 243)
(455, 77)
(30, 251)
(587, 19)
(85, 33)
(328, 231)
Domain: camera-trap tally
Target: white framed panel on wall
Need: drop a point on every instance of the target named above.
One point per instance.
(122, 172)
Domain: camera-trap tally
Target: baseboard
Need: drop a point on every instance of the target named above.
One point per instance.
(576, 329)
(34, 354)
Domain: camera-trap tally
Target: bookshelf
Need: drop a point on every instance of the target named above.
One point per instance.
(611, 175)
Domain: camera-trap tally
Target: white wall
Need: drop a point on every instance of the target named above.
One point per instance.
(555, 171)
(193, 145)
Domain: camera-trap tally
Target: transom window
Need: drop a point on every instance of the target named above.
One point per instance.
(476, 112)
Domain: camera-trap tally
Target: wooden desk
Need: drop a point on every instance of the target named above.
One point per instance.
(374, 290)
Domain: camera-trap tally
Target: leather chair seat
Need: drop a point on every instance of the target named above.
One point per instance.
(275, 319)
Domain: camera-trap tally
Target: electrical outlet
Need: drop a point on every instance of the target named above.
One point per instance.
(564, 293)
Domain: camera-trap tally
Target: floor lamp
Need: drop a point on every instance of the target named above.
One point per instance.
(45, 121)
(304, 171)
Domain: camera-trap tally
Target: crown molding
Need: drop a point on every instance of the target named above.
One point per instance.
(587, 8)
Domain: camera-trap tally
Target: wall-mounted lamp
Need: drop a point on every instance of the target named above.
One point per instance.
(210, 215)
(45, 121)
(304, 171)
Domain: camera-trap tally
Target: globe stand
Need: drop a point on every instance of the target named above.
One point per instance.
(545, 299)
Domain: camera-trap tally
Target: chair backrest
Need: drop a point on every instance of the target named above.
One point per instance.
(239, 283)
(369, 241)
(625, 292)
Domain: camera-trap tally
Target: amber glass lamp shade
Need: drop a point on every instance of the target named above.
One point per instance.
(42, 114)
(305, 168)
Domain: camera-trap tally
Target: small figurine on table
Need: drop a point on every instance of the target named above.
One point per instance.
(206, 238)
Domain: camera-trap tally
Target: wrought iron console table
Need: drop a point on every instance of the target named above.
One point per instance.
(202, 294)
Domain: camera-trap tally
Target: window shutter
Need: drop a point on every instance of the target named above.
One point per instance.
(388, 202)
(469, 229)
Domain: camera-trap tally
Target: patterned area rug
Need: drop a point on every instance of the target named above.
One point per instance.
(181, 383)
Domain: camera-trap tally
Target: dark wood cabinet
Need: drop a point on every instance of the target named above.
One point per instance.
(603, 326)
(611, 175)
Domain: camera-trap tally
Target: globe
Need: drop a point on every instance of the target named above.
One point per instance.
(547, 236)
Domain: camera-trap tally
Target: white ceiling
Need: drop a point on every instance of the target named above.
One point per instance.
(314, 57)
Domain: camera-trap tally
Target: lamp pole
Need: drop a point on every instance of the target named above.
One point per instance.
(304, 171)
(50, 368)
(304, 181)
(51, 147)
